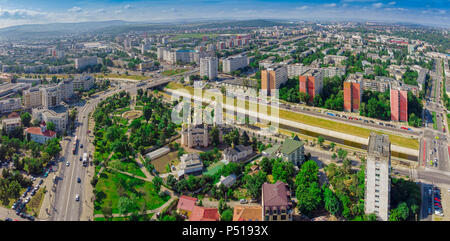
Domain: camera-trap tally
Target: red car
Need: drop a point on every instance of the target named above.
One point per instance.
(404, 128)
(351, 118)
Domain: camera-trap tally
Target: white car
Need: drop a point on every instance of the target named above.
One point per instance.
(77, 198)
(67, 163)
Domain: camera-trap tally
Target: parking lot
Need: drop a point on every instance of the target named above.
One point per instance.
(445, 202)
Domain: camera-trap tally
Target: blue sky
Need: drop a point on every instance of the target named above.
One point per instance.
(14, 12)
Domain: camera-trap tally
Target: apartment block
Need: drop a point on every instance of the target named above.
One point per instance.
(82, 63)
(10, 105)
(84, 82)
(51, 96)
(272, 78)
(399, 105)
(32, 98)
(378, 185)
(311, 83)
(58, 115)
(209, 67)
(231, 64)
(352, 93)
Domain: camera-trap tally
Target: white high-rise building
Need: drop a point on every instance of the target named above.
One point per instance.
(209, 67)
(32, 98)
(81, 63)
(231, 64)
(378, 184)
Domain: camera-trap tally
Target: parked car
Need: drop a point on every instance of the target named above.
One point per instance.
(77, 198)
(67, 163)
(78, 179)
(243, 201)
(41, 181)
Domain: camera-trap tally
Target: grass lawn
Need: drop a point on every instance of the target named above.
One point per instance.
(324, 123)
(241, 193)
(112, 185)
(161, 162)
(140, 218)
(173, 72)
(127, 166)
(434, 121)
(214, 168)
(34, 206)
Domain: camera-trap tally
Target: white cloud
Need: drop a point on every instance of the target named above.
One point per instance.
(101, 10)
(392, 3)
(330, 5)
(75, 9)
(302, 7)
(20, 14)
(377, 5)
(128, 6)
(442, 11)
(118, 11)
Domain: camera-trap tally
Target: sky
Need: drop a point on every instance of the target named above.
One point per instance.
(426, 12)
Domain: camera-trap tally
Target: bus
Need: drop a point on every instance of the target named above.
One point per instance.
(85, 159)
(75, 143)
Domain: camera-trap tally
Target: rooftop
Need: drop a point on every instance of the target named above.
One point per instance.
(379, 145)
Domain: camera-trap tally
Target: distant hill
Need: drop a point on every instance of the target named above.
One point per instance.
(52, 30)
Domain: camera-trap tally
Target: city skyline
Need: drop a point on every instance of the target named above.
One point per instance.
(434, 13)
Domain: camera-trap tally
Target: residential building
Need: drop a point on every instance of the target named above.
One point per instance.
(276, 202)
(65, 87)
(333, 71)
(378, 186)
(51, 96)
(227, 181)
(82, 63)
(186, 205)
(352, 93)
(291, 150)
(334, 59)
(204, 214)
(32, 98)
(57, 115)
(40, 134)
(10, 105)
(272, 78)
(311, 83)
(190, 164)
(10, 124)
(295, 70)
(399, 105)
(380, 84)
(247, 213)
(231, 64)
(237, 153)
(209, 67)
(83, 82)
(194, 136)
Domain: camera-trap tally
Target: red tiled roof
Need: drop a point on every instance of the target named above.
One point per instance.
(38, 131)
(186, 203)
(247, 213)
(204, 214)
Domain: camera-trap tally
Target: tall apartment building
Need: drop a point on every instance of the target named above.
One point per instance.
(51, 96)
(81, 63)
(84, 82)
(296, 69)
(231, 64)
(209, 67)
(32, 98)
(399, 105)
(352, 93)
(311, 83)
(272, 78)
(378, 184)
(160, 53)
(65, 87)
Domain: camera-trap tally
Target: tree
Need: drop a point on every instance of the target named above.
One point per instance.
(53, 148)
(147, 112)
(126, 205)
(50, 126)
(400, 213)
(332, 145)
(215, 136)
(227, 215)
(320, 140)
(266, 165)
(332, 203)
(26, 119)
(254, 183)
(157, 182)
(244, 139)
(309, 197)
(342, 154)
(283, 171)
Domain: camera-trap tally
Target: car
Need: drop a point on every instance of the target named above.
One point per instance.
(81, 146)
(31, 218)
(33, 193)
(81, 158)
(8, 219)
(78, 179)
(77, 198)
(33, 179)
(67, 163)
(41, 181)
(243, 201)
